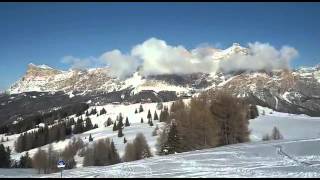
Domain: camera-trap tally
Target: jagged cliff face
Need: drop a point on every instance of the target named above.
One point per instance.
(285, 91)
(43, 79)
(292, 91)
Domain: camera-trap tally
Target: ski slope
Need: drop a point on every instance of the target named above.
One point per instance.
(287, 158)
(107, 132)
(295, 156)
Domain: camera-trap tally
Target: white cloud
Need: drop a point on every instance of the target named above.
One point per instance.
(160, 58)
(121, 65)
(155, 56)
(262, 56)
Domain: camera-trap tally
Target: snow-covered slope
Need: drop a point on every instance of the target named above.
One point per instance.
(290, 158)
(107, 132)
(295, 156)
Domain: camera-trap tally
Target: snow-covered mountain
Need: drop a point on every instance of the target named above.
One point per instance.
(293, 91)
(44, 78)
(43, 89)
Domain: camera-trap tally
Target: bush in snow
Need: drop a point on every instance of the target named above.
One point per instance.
(276, 135)
(155, 131)
(102, 153)
(138, 149)
(266, 137)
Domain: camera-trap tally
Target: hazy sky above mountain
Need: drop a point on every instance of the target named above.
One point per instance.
(60, 34)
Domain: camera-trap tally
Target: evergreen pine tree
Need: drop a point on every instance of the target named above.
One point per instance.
(155, 131)
(90, 138)
(115, 126)
(120, 134)
(89, 125)
(155, 116)
(115, 158)
(79, 128)
(127, 122)
(141, 120)
(151, 122)
(103, 111)
(93, 111)
(120, 124)
(159, 105)
(149, 115)
(25, 161)
(172, 144)
(124, 140)
(164, 115)
(4, 156)
(108, 122)
(136, 111)
(140, 108)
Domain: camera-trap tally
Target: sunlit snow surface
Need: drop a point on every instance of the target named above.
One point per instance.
(298, 158)
(298, 155)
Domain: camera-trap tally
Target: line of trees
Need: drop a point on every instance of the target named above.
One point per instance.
(31, 121)
(211, 119)
(138, 149)
(46, 161)
(102, 153)
(275, 135)
(45, 135)
(5, 153)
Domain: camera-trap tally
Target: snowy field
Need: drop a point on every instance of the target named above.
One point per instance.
(298, 155)
(107, 132)
(288, 158)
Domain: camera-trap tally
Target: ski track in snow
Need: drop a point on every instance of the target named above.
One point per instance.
(260, 159)
(295, 156)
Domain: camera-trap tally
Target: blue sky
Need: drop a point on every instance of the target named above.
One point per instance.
(44, 33)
